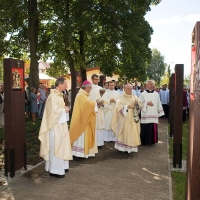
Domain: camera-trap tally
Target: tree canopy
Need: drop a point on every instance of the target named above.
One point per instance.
(112, 34)
(157, 66)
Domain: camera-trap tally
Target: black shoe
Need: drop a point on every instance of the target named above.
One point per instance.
(76, 158)
(66, 170)
(50, 174)
(57, 175)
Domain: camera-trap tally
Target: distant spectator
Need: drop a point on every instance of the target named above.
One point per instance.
(136, 86)
(33, 101)
(105, 85)
(26, 104)
(142, 89)
(121, 89)
(116, 84)
(164, 98)
(42, 100)
(135, 92)
(185, 104)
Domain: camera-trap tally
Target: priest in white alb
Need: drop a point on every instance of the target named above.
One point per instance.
(112, 96)
(125, 122)
(83, 124)
(95, 94)
(55, 146)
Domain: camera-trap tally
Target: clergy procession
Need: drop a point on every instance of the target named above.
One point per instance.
(126, 116)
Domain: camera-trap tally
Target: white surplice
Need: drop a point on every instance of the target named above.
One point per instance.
(108, 133)
(56, 165)
(100, 118)
(150, 114)
(94, 95)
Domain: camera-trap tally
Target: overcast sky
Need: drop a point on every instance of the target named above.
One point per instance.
(173, 22)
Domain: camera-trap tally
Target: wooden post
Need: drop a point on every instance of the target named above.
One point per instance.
(178, 116)
(14, 115)
(171, 104)
(193, 160)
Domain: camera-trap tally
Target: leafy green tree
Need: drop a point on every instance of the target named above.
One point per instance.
(166, 78)
(187, 81)
(111, 34)
(157, 66)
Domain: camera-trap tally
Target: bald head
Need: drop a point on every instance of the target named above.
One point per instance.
(128, 89)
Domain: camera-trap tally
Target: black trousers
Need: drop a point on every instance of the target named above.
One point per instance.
(184, 115)
(166, 110)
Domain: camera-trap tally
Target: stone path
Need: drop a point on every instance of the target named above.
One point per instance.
(111, 175)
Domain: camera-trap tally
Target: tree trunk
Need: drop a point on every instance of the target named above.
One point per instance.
(73, 85)
(33, 38)
(81, 43)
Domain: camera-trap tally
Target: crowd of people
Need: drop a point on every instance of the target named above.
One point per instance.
(124, 114)
(35, 101)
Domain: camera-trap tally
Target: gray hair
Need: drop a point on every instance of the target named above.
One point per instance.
(128, 84)
(60, 80)
(86, 86)
(152, 81)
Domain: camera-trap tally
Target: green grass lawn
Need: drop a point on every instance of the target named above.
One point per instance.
(179, 178)
(32, 142)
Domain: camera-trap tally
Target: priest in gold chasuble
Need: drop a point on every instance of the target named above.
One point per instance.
(83, 122)
(125, 122)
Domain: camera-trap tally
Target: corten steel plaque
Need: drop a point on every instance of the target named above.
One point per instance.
(193, 160)
(178, 116)
(171, 104)
(14, 94)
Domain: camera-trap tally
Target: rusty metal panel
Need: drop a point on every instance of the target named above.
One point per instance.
(193, 161)
(171, 104)
(178, 116)
(14, 118)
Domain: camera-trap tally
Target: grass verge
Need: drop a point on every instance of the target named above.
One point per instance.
(179, 178)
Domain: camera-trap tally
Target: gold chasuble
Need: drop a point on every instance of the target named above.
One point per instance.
(123, 125)
(54, 108)
(83, 120)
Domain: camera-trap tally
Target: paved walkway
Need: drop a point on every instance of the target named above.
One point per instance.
(111, 175)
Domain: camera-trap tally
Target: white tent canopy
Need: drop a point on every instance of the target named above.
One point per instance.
(43, 77)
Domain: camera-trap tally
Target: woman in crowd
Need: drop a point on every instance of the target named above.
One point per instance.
(34, 106)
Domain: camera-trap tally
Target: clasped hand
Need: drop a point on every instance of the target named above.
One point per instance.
(133, 104)
(150, 103)
(112, 100)
(67, 109)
